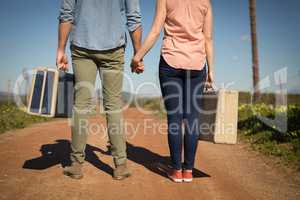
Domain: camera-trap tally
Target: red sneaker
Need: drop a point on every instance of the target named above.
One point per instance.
(187, 175)
(175, 175)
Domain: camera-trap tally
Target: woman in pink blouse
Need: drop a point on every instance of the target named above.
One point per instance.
(186, 66)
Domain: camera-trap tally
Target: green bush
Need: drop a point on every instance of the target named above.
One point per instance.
(270, 140)
(249, 120)
(293, 114)
(12, 117)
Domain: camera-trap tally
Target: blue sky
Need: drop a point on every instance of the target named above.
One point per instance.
(29, 37)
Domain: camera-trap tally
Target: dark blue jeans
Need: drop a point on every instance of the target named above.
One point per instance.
(181, 90)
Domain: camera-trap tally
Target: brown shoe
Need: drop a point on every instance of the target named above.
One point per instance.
(74, 171)
(121, 172)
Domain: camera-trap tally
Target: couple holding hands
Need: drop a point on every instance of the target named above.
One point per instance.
(97, 30)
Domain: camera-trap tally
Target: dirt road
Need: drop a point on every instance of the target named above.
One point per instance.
(32, 159)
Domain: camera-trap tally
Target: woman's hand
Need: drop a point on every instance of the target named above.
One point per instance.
(137, 66)
(209, 80)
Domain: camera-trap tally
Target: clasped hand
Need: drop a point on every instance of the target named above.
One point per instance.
(137, 66)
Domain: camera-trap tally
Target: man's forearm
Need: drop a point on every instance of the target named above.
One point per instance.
(63, 34)
(136, 38)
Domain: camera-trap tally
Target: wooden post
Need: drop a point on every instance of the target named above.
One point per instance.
(255, 61)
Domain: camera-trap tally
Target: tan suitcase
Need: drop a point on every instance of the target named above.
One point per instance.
(51, 93)
(219, 116)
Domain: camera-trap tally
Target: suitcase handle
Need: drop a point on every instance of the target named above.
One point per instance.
(41, 68)
(211, 89)
(62, 70)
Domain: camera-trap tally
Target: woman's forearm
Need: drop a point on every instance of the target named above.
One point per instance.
(157, 26)
(208, 35)
(148, 44)
(209, 48)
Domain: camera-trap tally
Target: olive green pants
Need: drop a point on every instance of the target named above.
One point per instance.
(86, 65)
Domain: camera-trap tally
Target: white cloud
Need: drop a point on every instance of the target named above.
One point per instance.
(235, 58)
(245, 38)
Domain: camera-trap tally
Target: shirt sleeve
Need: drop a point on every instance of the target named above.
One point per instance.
(66, 12)
(133, 14)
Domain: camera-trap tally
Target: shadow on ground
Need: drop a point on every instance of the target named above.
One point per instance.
(58, 154)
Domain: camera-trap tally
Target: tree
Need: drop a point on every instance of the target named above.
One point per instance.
(255, 61)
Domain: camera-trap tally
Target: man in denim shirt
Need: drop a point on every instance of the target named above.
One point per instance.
(97, 30)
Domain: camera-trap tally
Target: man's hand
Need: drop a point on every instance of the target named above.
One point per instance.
(62, 62)
(137, 66)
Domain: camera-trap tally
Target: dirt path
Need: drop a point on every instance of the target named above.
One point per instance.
(32, 159)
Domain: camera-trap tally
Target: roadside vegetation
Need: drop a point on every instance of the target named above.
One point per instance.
(153, 104)
(267, 139)
(12, 117)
